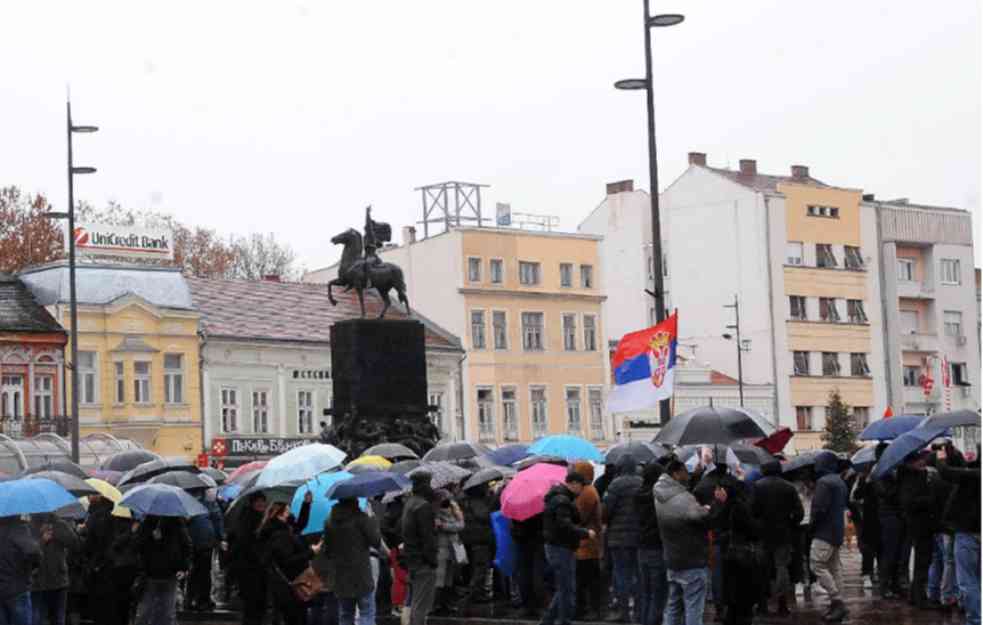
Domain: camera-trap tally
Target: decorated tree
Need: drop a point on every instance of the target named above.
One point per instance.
(840, 433)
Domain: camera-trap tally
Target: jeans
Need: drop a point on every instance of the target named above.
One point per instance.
(49, 606)
(423, 583)
(323, 610)
(942, 572)
(625, 561)
(717, 572)
(687, 596)
(589, 587)
(652, 586)
(967, 548)
(16, 610)
(564, 566)
(366, 610)
(157, 605)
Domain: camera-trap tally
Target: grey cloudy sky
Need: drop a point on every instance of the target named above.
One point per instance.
(291, 116)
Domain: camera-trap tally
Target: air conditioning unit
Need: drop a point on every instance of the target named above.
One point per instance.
(960, 340)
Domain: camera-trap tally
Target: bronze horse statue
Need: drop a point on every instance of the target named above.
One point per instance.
(356, 272)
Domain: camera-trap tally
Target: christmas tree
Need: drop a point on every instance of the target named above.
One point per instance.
(840, 434)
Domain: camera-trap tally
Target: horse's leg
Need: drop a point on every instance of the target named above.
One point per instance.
(361, 300)
(386, 302)
(402, 297)
(330, 296)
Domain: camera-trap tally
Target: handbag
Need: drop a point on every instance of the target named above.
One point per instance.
(305, 586)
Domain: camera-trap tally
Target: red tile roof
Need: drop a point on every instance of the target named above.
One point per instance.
(764, 182)
(721, 378)
(290, 311)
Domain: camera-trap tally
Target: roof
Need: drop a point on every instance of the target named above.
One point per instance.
(764, 182)
(20, 312)
(102, 284)
(290, 311)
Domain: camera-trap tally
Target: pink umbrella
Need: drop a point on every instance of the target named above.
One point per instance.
(523, 497)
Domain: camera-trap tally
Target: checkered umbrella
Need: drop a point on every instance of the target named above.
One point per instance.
(443, 473)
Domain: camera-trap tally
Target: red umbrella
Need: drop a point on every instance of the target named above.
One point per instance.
(776, 442)
(523, 497)
(249, 467)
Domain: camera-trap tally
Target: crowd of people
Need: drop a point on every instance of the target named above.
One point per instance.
(663, 543)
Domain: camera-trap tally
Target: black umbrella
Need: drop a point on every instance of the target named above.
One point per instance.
(752, 454)
(147, 470)
(404, 466)
(183, 480)
(62, 466)
(525, 463)
(709, 425)
(643, 452)
(803, 460)
(218, 475)
(460, 450)
(392, 452)
(489, 474)
(127, 460)
(69, 482)
(946, 420)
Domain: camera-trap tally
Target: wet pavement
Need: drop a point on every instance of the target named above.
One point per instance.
(865, 607)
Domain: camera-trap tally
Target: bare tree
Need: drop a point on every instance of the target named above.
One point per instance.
(27, 237)
(258, 256)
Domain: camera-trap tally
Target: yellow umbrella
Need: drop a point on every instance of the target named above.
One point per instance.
(111, 493)
(372, 461)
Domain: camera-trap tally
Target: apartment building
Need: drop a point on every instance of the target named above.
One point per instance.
(528, 306)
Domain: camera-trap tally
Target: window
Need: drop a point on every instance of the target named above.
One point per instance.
(532, 331)
(12, 396)
(953, 323)
(793, 253)
(261, 412)
(824, 255)
(855, 311)
(950, 271)
(537, 400)
(858, 365)
(596, 406)
(478, 329)
(141, 382)
(474, 270)
(831, 364)
(566, 274)
(570, 333)
(230, 410)
(960, 376)
(437, 401)
(573, 409)
(88, 374)
(173, 378)
(42, 396)
(800, 361)
(909, 322)
(861, 417)
(510, 414)
(528, 273)
(910, 375)
(797, 307)
(305, 412)
(906, 269)
(495, 271)
(118, 369)
(500, 329)
(486, 414)
(827, 310)
(590, 333)
(823, 211)
(587, 276)
(852, 258)
(803, 417)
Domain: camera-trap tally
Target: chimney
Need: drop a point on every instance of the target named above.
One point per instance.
(409, 235)
(698, 158)
(800, 172)
(749, 167)
(621, 186)
(868, 197)
(271, 277)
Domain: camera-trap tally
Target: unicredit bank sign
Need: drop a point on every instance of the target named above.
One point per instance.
(124, 241)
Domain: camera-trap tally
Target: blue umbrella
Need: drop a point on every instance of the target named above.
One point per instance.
(959, 418)
(19, 497)
(568, 447)
(864, 458)
(228, 492)
(162, 500)
(890, 428)
(507, 455)
(320, 505)
(300, 464)
(902, 447)
(368, 485)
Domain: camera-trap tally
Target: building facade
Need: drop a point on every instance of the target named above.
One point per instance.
(266, 363)
(138, 351)
(528, 305)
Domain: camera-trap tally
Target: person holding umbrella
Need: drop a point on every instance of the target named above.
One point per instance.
(99, 533)
(20, 553)
(245, 547)
(891, 522)
(777, 505)
(562, 533)
(828, 511)
(49, 585)
(962, 513)
(207, 533)
(478, 539)
(165, 556)
(349, 537)
(419, 529)
(287, 557)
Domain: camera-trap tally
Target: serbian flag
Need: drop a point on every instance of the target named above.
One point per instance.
(644, 364)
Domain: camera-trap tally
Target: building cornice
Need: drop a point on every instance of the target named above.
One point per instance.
(584, 297)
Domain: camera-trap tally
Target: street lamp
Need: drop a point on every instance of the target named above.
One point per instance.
(632, 84)
(742, 346)
(72, 300)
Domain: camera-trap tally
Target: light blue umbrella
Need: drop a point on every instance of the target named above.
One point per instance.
(19, 497)
(570, 448)
(320, 503)
(903, 446)
(162, 500)
(300, 464)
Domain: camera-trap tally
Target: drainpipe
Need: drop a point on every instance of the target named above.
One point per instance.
(201, 383)
(889, 385)
(460, 396)
(771, 315)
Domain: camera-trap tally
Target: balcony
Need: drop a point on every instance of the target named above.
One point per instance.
(920, 342)
(911, 289)
(916, 401)
(26, 427)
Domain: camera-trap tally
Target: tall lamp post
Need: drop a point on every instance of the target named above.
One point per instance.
(742, 346)
(72, 300)
(651, 21)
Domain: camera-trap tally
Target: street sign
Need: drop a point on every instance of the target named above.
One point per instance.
(219, 447)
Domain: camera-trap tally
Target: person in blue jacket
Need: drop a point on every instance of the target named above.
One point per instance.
(828, 517)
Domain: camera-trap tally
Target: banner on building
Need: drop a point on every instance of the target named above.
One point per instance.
(232, 447)
(130, 241)
(644, 367)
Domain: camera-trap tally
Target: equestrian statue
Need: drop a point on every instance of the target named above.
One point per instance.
(361, 268)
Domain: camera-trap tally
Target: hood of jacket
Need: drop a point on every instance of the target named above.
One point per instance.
(826, 463)
(557, 491)
(585, 469)
(667, 488)
(773, 467)
(627, 465)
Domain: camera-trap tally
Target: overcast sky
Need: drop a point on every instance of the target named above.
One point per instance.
(292, 116)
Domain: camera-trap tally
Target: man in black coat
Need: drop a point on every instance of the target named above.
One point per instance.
(20, 554)
(420, 547)
(778, 507)
(247, 560)
(922, 517)
(478, 539)
(962, 513)
(562, 533)
(623, 531)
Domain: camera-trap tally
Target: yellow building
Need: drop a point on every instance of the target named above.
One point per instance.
(527, 305)
(138, 351)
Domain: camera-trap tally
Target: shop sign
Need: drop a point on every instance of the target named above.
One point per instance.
(316, 375)
(124, 241)
(257, 446)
